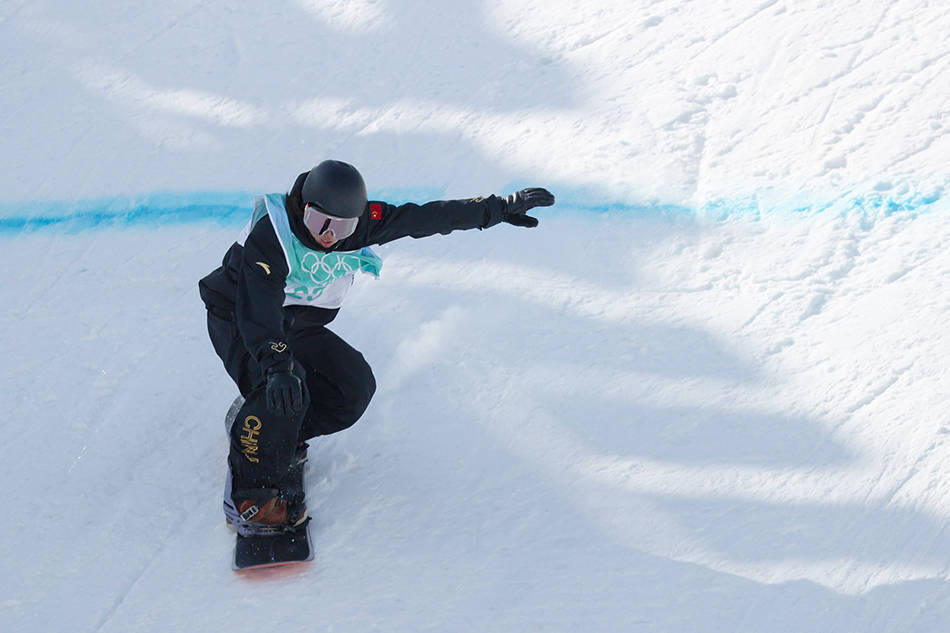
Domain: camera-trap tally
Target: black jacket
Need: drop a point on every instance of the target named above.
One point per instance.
(252, 295)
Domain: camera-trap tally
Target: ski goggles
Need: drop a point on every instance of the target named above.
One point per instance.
(319, 223)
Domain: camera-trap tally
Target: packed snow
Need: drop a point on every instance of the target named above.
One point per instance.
(708, 393)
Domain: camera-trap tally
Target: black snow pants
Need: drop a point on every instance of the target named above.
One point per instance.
(338, 386)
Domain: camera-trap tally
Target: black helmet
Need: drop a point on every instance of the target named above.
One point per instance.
(337, 188)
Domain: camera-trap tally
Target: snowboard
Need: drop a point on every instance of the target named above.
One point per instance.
(285, 548)
(271, 550)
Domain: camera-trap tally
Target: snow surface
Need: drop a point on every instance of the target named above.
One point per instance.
(707, 394)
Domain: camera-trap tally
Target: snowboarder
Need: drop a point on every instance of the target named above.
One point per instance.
(269, 304)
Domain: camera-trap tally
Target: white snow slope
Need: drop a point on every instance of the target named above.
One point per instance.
(708, 393)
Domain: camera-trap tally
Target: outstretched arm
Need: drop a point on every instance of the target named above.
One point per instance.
(384, 222)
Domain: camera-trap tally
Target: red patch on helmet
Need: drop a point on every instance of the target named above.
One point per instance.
(375, 211)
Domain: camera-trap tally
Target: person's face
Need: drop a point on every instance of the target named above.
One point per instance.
(327, 229)
(327, 240)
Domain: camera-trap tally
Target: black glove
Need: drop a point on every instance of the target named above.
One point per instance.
(284, 393)
(518, 203)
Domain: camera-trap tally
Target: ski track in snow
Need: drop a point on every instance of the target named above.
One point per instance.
(707, 394)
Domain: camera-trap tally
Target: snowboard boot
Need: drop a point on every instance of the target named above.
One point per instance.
(291, 484)
(263, 511)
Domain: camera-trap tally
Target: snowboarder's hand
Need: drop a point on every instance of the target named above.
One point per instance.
(284, 393)
(518, 203)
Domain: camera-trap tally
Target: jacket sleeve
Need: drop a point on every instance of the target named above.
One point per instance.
(260, 299)
(386, 222)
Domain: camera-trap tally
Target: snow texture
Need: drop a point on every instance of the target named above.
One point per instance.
(708, 393)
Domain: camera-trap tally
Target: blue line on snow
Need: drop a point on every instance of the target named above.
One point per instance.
(234, 208)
